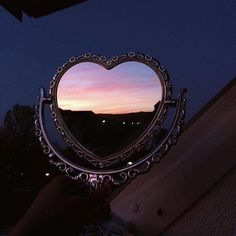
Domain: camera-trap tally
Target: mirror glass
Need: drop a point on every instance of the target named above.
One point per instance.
(107, 110)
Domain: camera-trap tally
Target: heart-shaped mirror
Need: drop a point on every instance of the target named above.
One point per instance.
(110, 113)
(107, 110)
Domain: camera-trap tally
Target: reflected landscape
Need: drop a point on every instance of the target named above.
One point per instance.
(106, 110)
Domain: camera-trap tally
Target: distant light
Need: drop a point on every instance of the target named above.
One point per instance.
(132, 123)
(21, 173)
(130, 163)
(138, 123)
(123, 123)
(47, 174)
(104, 121)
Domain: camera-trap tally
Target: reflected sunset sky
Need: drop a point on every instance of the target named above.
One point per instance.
(129, 87)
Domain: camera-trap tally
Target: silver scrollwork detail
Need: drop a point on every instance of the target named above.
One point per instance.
(102, 171)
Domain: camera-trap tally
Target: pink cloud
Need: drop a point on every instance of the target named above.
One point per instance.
(113, 91)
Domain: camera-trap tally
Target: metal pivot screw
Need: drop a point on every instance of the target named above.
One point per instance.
(161, 212)
(133, 207)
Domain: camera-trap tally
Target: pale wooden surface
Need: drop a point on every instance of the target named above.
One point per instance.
(203, 154)
(213, 215)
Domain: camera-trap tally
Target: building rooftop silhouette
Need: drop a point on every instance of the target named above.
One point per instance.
(36, 8)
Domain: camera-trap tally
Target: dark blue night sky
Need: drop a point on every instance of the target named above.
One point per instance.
(194, 40)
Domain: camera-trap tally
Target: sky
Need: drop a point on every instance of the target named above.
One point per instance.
(128, 87)
(194, 40)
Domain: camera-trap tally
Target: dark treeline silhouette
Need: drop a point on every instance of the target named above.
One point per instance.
(23, 166)
(105, 134)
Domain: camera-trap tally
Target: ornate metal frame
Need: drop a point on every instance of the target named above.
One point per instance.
(109, 64)
(103, 170)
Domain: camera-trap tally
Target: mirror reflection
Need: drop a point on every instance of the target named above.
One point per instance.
(106, 110)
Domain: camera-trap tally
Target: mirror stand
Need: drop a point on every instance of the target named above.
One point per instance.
(94, 177)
